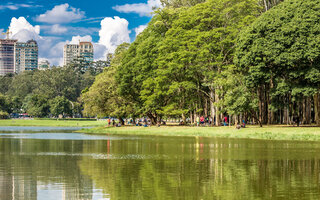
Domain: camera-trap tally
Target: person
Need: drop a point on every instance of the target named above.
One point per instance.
(202, 120)
(198, 120)
(113, 122)
(109, 122)
(225, 121)
(243, 123)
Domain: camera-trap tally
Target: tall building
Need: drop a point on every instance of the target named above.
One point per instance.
(83, 50)
(86, 51)
(7, 56)
(70, 52)
(26, 56)
(43, 65)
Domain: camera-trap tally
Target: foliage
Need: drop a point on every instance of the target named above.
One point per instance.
(169, 67)
(60, 106)
(280, 52)
(4, 115)
(102, 98)
(37, 105)
(62, 82)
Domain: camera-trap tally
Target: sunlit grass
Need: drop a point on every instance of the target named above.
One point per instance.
(254, 132)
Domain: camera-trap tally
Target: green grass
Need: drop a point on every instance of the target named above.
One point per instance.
(61, 122)
(252, 132)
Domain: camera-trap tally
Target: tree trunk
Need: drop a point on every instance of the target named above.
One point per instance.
(121, 120)
(217, 110)
(212, 108)
(317, 109)
(184, 119)
(153, 118)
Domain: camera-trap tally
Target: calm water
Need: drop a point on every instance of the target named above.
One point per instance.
(53, 163)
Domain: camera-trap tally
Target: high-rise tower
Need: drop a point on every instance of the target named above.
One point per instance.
(7, 56)
(26, 56)
(83, 50)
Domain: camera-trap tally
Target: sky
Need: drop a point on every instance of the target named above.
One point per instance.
(54, 23)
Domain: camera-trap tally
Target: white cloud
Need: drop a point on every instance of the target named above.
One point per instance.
(114, 31)
(78, 38)
(23, 31)
(12, 6)
(139, 29)
(61, 14)
(57, 29)
(100, 51)
(143, 9)
(20, 24)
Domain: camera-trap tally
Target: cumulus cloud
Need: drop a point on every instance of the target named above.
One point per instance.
(139, 29)
(63, 13)
(57, 29)
(114, 31)
(20, 24)
(23, 31)
(100, 51)
(143, 9)
(78, 38)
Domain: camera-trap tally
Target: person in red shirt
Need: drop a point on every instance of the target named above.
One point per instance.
(201, 120)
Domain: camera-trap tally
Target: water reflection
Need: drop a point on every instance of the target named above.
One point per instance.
(156, 168)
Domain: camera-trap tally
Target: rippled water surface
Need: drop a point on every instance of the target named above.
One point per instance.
(54, 163)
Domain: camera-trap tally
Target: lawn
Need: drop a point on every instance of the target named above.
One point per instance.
(253, 132)
(60, 122)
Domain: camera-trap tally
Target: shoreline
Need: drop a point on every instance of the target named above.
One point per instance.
(251, 132)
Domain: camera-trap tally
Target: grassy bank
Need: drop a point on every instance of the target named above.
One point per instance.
(65, 123)
(253, 132)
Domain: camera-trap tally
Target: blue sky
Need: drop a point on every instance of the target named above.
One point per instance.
(53, 23)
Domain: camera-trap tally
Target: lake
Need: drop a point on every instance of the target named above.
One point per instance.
(54, 163)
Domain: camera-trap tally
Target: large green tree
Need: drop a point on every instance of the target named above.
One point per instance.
(198, 45)
(60, 106)
(279, 55)
(102, 99)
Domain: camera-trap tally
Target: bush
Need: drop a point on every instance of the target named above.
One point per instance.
(4, 115)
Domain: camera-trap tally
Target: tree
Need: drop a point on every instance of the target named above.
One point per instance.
(4, 103)
(102, 99)
(60, 106)
(180, 3)
(5, 82)
(279, 55)
(37, 105)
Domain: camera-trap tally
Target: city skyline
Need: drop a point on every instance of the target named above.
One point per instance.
(104, 23)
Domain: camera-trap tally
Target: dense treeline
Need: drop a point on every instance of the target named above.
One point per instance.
(238, 60)
(48, 93)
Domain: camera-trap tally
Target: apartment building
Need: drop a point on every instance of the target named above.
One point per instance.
(26, 56)
(83, 50)
(7, 56)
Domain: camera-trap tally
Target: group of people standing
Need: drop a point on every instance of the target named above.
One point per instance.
(202, 121)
